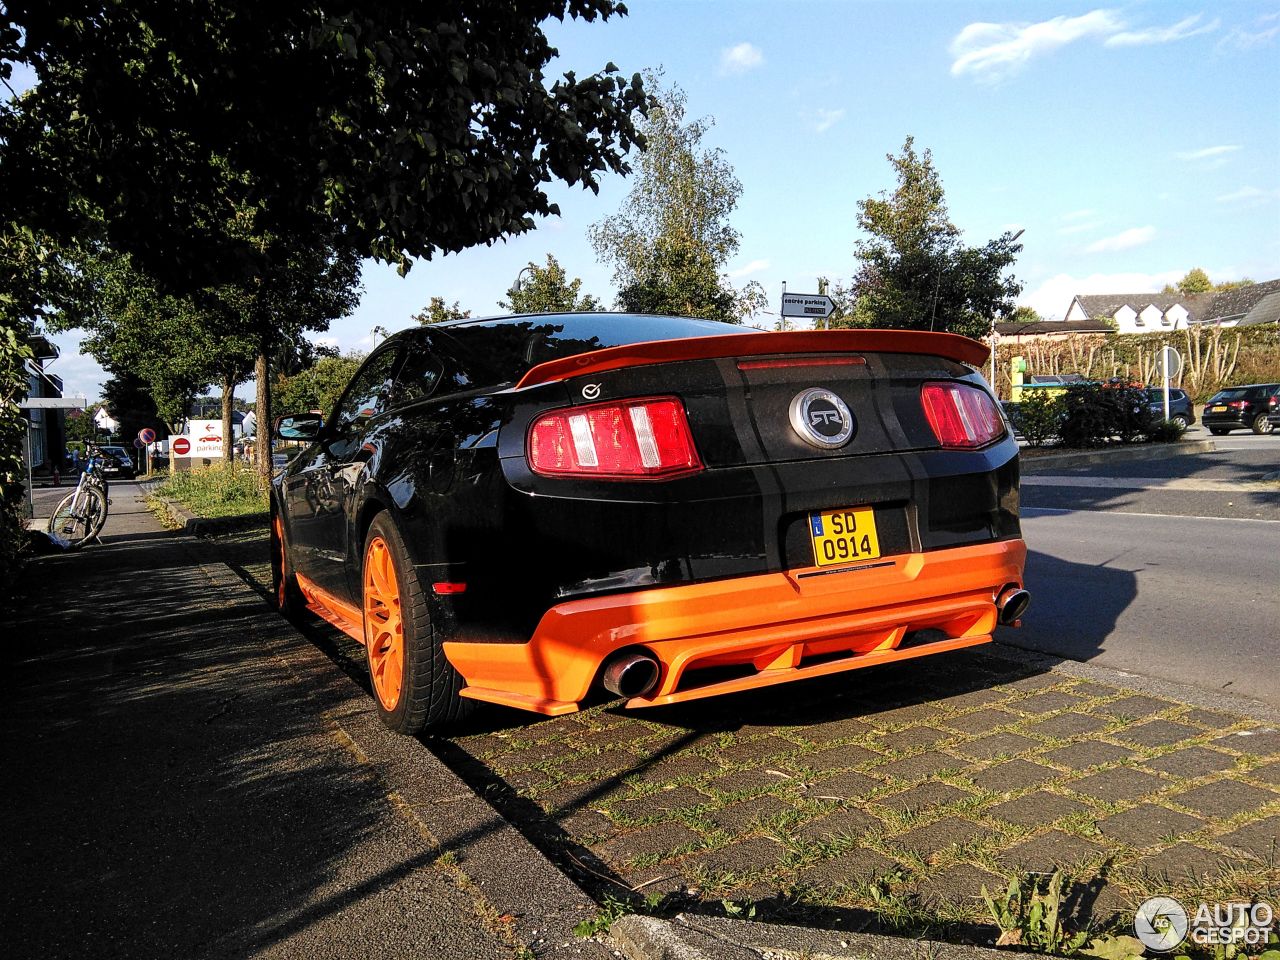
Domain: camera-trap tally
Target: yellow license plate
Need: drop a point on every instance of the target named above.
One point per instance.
(842, 536)
(1218, 408)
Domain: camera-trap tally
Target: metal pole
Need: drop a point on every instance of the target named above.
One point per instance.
(31, 504)
(1164, 362)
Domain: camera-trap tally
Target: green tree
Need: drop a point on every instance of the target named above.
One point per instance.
(1196, 281)
(418, 128)
(437, 311)
(1024, 314)
(404, 132)
(669, 243)
(318, 386)
(916, 273)
(548, 290)
(134, 330)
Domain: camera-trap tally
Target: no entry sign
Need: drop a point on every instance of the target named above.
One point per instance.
(181, 446)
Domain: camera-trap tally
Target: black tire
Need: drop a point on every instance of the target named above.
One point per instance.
(285, 595)
(79, 528)
(1261, 425)
(1180, 420)
(429, 685)
(1219, 431)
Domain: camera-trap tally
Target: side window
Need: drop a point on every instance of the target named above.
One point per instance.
(366, 395)
(418, 377)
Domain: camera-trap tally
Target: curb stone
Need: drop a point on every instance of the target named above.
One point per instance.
(187, 522)
(1087, 458)
(689, 937)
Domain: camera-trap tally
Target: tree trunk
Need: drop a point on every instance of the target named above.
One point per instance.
(262, 414)
(228, 440)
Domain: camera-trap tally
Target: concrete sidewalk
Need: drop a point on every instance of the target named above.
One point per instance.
(175, 790)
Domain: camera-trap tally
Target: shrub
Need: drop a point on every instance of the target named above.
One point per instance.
(1165, 431)
(1039, 417)
(1093, 414)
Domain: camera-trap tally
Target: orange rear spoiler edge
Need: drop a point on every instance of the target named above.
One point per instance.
(949, 345)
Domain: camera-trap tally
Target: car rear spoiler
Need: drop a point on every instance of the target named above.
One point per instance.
(949, 345)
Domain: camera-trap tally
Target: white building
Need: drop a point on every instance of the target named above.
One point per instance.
(1162, 312)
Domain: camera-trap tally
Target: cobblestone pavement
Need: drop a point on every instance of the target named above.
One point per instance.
(896, 792)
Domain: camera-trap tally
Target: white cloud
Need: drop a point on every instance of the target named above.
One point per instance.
(1241, 39)
(1208, 152)
(1053, 298)
(740, 58)
(824, 120)
(1249, 193)
(1151, 35)
(1124, 240)
(991, 51)
(755, 266)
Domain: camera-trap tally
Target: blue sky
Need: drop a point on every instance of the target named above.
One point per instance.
(1131, 142)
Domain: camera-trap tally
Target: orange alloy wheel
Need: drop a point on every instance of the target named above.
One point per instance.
(383, 626)
(282, 587)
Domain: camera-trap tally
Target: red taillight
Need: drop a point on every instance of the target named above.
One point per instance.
(645, 439)
(962, 416)
(1237, 404)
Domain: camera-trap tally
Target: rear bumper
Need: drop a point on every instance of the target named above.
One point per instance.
(751, 631)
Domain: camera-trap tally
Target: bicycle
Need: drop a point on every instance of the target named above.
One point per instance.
(81, 515)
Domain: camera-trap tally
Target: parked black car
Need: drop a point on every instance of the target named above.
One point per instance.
(117, 463)
(1181, 410)
(1242, 408)
(525, 510)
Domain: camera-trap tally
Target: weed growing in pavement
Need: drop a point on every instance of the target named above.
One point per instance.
(1030, 918)
(610, 910)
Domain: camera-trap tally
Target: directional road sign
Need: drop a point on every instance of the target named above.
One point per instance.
(815, 306)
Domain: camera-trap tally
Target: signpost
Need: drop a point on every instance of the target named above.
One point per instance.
(181, 446)
(146, 437)
(1168, 365)
(814, 306)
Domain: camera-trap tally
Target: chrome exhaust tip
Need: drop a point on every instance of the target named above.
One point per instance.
(631, 675)
(1012, 604)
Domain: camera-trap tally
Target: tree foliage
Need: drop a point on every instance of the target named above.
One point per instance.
(318, 386)
(669, 243)
(548, 290)
(1196, 280)
(437, 311)
(916, 273)
(133, 329)
(419, 129)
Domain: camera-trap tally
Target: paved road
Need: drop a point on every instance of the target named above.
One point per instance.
(1179, 581)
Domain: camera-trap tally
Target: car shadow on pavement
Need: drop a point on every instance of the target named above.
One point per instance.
(1075, 606)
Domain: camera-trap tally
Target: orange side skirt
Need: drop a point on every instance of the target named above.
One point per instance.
(768, 629)
(325, 605)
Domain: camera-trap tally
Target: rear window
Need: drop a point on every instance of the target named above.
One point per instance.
(492, 352)
(1237, 394)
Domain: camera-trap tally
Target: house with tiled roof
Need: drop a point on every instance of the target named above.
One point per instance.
(1161, 312)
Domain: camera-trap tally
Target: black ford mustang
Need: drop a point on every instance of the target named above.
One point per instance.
(527, 509)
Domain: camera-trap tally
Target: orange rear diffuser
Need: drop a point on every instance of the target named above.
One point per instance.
(731, 635)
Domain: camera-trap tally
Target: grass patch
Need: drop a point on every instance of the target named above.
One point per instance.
(218, 491)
